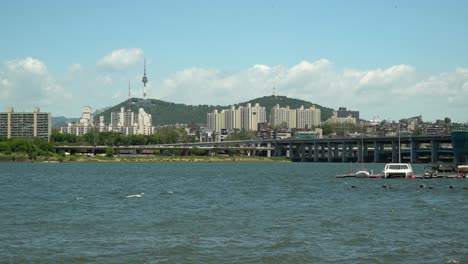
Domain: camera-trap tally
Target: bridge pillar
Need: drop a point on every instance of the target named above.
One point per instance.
(322, 151)
(366, 152)
(350, 150)
(343, 151)
(376, 151)
(302, 153)
(329, 151)
(359, 152)
(336, 152)
(394, 151)
(268, 150)
(311, 147)
(291, 151)
(434, 151)
(316, 151)
(413, 151)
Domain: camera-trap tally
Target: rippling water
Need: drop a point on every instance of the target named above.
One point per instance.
(226, 213)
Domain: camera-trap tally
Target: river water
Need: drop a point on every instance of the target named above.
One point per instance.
(226, 213)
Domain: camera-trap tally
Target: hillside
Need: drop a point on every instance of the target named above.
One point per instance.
(170, 113)
(58, 121)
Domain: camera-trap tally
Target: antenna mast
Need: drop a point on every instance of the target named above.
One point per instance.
(129, 95)
(144, 80)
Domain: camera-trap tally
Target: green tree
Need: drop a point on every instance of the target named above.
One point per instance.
(327, 129)
(110, 152)
(5, 147)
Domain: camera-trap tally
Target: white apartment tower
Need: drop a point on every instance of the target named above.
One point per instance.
(308, 118)
(283, 115)
(87, 115)
(145, 126)
(244, 117)
(231, 118)
(251, 116)
(213, 123)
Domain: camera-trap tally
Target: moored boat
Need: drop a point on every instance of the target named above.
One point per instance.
(397, 170)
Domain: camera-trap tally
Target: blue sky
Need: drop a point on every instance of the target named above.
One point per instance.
(391, 59)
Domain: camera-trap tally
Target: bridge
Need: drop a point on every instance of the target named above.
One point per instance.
(422, 149)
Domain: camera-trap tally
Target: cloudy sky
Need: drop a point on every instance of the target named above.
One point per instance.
(389, 59)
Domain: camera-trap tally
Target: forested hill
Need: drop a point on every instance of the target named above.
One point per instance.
(170, 113)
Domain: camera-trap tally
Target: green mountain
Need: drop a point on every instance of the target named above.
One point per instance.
(164, 113)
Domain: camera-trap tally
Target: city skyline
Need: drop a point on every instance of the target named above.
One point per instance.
(388, 59)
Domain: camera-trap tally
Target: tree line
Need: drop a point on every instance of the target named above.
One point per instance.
(96, 138)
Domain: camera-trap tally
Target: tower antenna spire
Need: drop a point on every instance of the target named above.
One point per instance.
(144, 80)
(129, 95)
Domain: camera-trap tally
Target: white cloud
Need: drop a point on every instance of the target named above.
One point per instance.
(394, 92)
(26, 83)
(75, 68)
(121, 59)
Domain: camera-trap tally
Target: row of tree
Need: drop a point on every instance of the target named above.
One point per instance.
(162, 136)
(32, 147)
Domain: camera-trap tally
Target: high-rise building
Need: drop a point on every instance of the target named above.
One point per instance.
(26, 124)
(87, 115)
(145, 127)
(122, 118)
(213, 121)
(84, 126)
(283, 115)
(344, 113)
(251, 116)
(244, 117)
(125, 122)
(308, 118)
(231, 118)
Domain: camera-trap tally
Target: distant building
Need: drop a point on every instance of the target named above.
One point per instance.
(283, 116)
(344, 113)
(308, 118)
(213, 122)
(145, 127)
(244, 117)
(25, 124)
(125, 122)
(251, 116)
(130, 123)
(80, 128)
(300, 118)
(334, 119)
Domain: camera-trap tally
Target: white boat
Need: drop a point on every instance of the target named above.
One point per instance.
(362, 174)
(397, 170)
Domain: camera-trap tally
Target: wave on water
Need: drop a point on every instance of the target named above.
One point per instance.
(135, 195)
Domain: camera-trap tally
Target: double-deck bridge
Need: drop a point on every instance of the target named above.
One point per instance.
(424, 149)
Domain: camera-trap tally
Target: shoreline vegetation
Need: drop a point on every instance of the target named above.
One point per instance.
(38, 150)
(24, 158)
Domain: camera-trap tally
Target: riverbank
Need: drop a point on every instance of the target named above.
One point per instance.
(149, 159)
(175, 159)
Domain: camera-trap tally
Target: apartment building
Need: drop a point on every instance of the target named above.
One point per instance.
(26, 124)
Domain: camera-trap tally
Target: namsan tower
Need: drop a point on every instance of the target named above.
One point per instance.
(144, 80)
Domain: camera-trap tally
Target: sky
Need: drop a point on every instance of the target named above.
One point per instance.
(387, 59)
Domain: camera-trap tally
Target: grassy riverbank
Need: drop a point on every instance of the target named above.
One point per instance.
(24, 158)
(175, 159)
